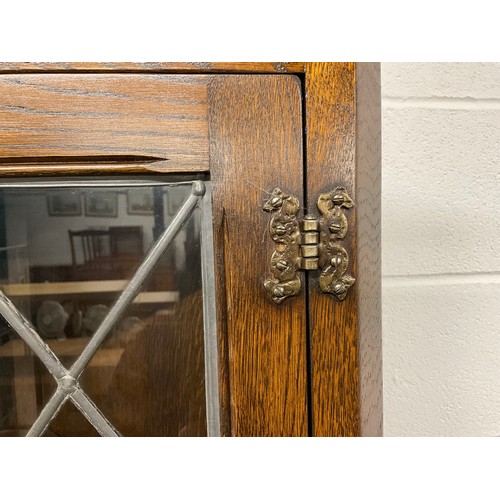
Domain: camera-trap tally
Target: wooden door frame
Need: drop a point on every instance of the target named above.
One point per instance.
(341, 106)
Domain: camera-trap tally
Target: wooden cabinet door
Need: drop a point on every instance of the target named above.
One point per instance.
(297, 368)
(245, 133)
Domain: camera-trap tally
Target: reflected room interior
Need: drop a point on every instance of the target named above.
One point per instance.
(66, 254)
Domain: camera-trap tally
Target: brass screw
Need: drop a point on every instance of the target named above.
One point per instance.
(338, 199)
(280, 230)
(281, 265)
(276, 201)
(336, 260)
(335, 227)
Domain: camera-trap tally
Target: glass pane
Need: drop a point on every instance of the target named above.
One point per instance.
(70, 422)
(66, 255)
(23, 380)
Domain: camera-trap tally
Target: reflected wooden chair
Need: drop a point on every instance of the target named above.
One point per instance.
(105, 254)
(90, 254)
(126, 248)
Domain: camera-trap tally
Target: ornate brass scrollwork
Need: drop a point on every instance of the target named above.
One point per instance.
(299, 246)
(334, 259)
(284, 230)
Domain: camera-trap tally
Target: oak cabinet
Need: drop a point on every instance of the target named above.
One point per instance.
(115, 151)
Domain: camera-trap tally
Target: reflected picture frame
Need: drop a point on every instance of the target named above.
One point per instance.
(98, 204)
(64, 204)
(140, 201)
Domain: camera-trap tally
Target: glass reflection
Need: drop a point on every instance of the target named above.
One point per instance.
(65, 256)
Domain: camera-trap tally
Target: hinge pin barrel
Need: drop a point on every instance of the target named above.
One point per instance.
(311, 238)
(309, 224)
(309, 243)
(307, 251)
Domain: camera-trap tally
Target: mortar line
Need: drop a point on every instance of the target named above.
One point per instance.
(440, 102)
(492, 277)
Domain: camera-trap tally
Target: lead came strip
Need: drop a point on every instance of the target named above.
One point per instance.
(132, 289)
(209, 317)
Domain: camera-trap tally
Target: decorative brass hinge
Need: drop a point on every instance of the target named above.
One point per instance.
(308, 245)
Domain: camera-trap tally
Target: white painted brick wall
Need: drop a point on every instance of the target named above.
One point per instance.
(441, 248)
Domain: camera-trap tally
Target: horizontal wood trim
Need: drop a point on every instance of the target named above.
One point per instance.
(75, 165)
(174, 67)
(159, 116)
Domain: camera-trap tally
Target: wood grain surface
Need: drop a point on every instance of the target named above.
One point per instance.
(345, 352)
(157, 67)
(105, 117)
(247, 131)
(256, 145)
(84, 165)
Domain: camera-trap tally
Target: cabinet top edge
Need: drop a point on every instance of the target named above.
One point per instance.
(145, 67)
